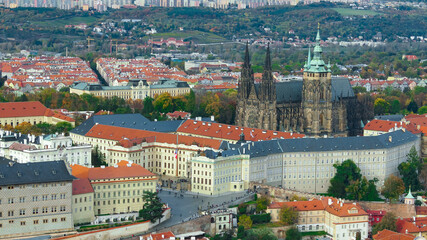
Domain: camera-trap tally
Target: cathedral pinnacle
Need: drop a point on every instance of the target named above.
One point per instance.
(268, 59)
(318, 33)
(247, 61)
(316, 64)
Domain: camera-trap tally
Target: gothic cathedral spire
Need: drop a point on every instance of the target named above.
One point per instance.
(268, 88)
(246, 78)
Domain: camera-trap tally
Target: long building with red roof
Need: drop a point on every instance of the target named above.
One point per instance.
(14, 113)
(116, 189)
(231, 133)
(413, 226)
(340, 219)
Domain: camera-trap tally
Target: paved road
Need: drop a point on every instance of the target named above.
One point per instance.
(185, 205)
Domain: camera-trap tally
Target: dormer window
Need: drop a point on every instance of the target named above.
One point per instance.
(353, 210)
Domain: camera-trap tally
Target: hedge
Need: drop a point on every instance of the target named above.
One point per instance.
(261, 218)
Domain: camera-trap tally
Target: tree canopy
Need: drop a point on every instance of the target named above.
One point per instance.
(347, 172)
(393, 187)
(153, 207)
(387, 222)
(410, 169)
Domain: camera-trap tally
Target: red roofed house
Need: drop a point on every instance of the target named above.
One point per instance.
(178, 115)
(116, 189)
(420, 122)
(340, 219)
(378, 127)
(390, 235)
(14, 113)
(375, 216)
(159, 236)
(82, 201)
(413, 226)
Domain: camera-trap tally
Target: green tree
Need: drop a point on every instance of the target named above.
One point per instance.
(245, 221)
(191, 101)
(410, 169)
(393, 187)
(412, 106)
(163, 103)
(153, 207)
(395, 107)
(148, 106)
(98, 159)
(346, 173)
(357, 189)
(293, 234)
(24, 128)
(241, 232)
(262, 203)
(387, 222)
(260, 234)
(381, 106)
(63, 127)
(288, 215)
(372, 192)
(422, 110)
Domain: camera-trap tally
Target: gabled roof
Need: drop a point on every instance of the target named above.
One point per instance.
(21, 147)
(329, 204)
(22, 109)
(390, 235)
(386, 126)
(121, 170)
(412, 225)
(39, 172)
(159, 236)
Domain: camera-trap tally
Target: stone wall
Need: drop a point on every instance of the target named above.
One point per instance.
(400, 210)
(117, 232)
(199, 224)
(279, 194)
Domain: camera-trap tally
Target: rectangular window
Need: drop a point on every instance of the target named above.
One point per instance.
(62, 209)
(44, 210)
(10, 200)
(53, 209)
(45, 221)
(23, 223)
(54, 220)
(10, 213)
(63, 219)
(21, 212)
(36, 221)
(35, 210)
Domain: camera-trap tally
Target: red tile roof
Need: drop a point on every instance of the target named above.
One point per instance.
(231, 132)
(22, 109)
(421, 210)
(29, 109)
(386, 126)
(408, 224)
(177, 114)
(21, 147)
(159, 236)
(82, 186)
(120, 133)
(390, 235)
(121, 170)
(329, 204)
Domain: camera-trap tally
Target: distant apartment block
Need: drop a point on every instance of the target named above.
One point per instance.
(35, 198)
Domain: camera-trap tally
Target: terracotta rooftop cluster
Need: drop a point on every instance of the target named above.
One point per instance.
(46, 71)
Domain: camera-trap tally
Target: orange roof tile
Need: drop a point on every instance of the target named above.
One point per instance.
(390, 235)
(120, 133)
(159, 236)
(411, 226)
(231, 132)
(79, 171)
(122, 170)
(22, 109)
(386, 126)
(329, 204)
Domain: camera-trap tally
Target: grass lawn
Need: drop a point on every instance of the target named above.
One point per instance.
(267, 225)
(352, 12)
(67, 21)
(196, 36)
(319, 233)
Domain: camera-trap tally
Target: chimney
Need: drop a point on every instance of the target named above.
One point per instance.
(103, 166)
(25, 141)
(163, 236)
(212, 118)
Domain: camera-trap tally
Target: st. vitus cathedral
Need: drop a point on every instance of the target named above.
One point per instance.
(318, 105)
